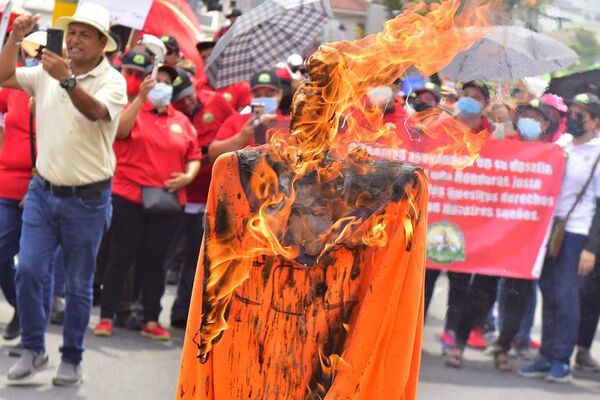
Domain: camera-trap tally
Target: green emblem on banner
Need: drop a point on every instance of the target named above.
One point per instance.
(445, 243)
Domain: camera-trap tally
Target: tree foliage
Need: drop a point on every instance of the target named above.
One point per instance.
(586, 44)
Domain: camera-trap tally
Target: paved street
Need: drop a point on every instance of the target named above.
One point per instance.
(128, 366)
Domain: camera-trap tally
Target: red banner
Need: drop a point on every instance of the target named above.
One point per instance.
(176, 18)
(492, 217)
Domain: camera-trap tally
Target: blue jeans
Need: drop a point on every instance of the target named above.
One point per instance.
(58, 273)
(77, 225)
(560, 284)
(10, 232)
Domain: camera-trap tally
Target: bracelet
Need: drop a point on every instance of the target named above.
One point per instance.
(17, 44)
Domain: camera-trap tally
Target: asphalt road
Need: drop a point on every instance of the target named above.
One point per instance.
(128, 366)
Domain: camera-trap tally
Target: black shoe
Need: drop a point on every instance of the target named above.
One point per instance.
(16, 351)
(13, 329)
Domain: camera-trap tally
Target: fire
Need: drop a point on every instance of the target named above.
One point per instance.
(307, 194)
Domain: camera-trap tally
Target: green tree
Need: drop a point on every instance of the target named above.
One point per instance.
(527, 10)
(586, 44)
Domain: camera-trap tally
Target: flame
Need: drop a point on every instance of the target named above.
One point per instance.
(312, 195)
(341, 73)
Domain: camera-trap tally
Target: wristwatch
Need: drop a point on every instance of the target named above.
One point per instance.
(69, 83)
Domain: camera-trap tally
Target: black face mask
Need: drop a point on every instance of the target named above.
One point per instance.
(421, 106)
(575, 126)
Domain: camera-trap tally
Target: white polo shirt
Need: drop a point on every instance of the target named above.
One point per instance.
(73, 150)
(580, 160)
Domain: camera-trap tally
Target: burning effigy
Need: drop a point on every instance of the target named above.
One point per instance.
(310, 278)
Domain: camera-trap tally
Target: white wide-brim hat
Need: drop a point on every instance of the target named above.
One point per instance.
(33, 41)
(94, 15)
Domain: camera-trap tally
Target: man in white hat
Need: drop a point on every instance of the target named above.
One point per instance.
(78, 103)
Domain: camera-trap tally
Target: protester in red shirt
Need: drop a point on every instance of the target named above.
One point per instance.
(157, 149)
(207, 111)
(133, 64)
(248, 128)
(236, 94)
(15, 173)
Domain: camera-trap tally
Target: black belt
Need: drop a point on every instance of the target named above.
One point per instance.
(89, 191)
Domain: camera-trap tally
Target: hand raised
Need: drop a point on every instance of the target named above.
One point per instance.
(23, 25)
(147, 85)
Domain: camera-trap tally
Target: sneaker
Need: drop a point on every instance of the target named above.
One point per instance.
(153, 330)
(13, 329)
(57, 312)
(538, 369)
(26, 367)
(476, 339)
(104, 327)
(585, 362)
(68, 375)
(448, 339)
(559, 373)
(16, 351)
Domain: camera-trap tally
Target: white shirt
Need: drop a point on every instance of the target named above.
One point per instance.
(580, 160)
(73, 150)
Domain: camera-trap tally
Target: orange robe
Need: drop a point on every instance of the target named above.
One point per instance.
(349, 327)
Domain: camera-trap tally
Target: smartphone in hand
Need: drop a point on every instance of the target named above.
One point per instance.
(54, 41)
(260, 130)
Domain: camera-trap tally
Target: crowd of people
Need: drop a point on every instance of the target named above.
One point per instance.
(107, 200)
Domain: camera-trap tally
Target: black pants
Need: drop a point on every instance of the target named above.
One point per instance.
(590, 308)
(481, 296)
(457, 294)
(193, 230)
(519, 292)
(138, 238)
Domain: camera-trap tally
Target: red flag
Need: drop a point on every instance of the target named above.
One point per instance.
(176, 18)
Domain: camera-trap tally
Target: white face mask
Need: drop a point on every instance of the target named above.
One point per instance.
(271, 104)
(160, 95)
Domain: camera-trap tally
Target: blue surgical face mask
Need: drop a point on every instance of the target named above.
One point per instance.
(270, 103)
(529, 128)
(469, 106)
(31, 62)
(160, 95)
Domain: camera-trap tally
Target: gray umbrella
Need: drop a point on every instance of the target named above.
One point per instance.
(264, 36)
(509, 53)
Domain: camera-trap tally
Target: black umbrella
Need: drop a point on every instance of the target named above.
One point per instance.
(568, 87)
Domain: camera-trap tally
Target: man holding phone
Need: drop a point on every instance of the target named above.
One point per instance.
(78, 104)
(249, 127)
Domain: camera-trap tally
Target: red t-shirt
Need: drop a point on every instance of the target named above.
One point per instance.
(207, 121)
(15, 155)
(159, 144)
(237, 94)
